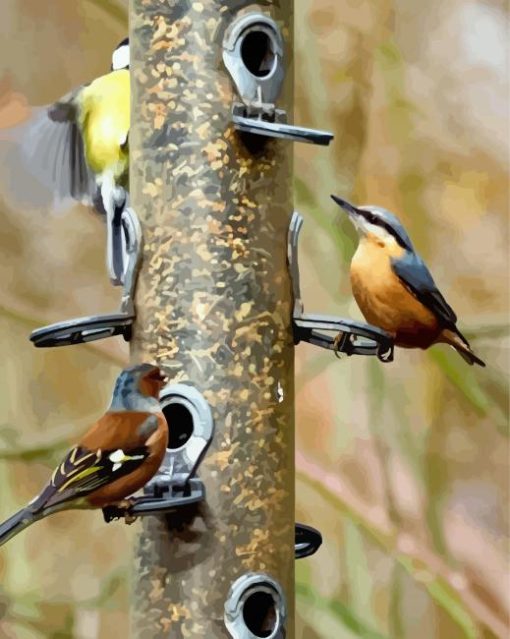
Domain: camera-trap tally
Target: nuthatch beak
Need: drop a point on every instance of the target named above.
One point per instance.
(355, 215)
(376, 220)
(345, 205)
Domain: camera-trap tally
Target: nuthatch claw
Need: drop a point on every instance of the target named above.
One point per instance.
(337, 345)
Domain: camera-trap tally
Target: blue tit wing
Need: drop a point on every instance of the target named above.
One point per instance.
(415, 275)
(83, 471)
(53, 151)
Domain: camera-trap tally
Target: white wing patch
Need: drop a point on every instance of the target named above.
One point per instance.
(118, 457)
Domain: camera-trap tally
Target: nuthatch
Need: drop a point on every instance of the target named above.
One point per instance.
(394, 288)
(120, 453)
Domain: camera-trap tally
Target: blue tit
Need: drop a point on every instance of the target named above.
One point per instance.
(78, 148)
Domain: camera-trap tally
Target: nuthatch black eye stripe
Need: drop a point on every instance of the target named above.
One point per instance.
(379, 217)
(377, 221)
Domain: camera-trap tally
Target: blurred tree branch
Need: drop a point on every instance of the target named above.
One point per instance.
(102, 348)
(468, 383)
(493, 328)
(32, 612)
(449, 588)
(42, 453)
(345, 615)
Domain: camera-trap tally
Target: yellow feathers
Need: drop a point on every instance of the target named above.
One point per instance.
(104, 122)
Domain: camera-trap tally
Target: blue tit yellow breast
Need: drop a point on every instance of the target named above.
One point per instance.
(385, 301)
(104, 122)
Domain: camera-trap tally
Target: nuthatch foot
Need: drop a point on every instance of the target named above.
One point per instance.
(120, 453)
(394, 288)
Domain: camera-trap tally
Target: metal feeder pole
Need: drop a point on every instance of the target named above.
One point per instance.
(214, 309)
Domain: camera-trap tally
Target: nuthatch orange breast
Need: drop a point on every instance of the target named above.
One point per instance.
(394, 288)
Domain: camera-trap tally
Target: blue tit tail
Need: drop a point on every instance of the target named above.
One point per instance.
(15, 524)
(113, 202)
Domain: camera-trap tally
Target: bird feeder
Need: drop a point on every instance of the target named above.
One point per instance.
(219, 308)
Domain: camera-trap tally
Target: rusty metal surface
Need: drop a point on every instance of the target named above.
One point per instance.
(214, 308)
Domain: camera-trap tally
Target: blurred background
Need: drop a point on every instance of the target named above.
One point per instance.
(404, 467)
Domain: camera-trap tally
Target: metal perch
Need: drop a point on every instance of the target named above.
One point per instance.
(95, 327)
(349, 337)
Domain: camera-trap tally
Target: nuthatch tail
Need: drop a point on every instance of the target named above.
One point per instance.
(120, 453)
(394, 288)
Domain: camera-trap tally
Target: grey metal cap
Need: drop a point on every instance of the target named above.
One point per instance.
(254, 89)
(241, 590)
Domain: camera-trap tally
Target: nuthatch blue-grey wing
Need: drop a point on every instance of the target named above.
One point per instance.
(414, 273)
(394, 288)
(120, 453)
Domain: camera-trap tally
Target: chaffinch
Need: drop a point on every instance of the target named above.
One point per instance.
(120, 453)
